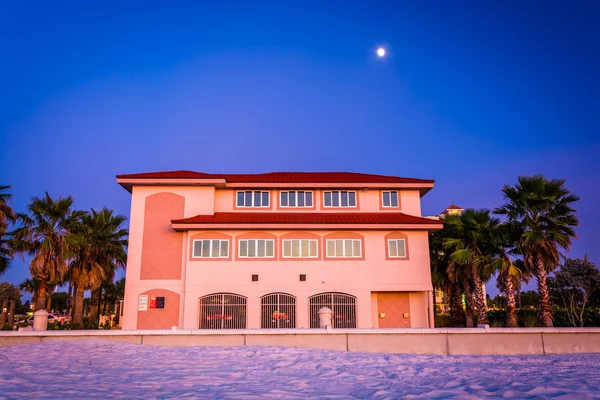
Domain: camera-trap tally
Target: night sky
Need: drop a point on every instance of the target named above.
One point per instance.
(470, 94)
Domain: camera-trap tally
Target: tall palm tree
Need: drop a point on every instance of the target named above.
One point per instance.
(7, 217)
(45, 236)
(101, 254)
(469, 243)
(541, 209)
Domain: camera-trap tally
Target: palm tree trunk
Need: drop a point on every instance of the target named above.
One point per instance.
(434, 304)
(78, 313)
(41, 297)
(69, 300)
(480, 301)
(512, 321)
(73, 302)
(468, 305)
(49, 302)
(519, 303)
(457, 312)
(544, 311)
(94, 305)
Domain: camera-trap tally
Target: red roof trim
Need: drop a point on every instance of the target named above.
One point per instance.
(307, 218)
(280, 177)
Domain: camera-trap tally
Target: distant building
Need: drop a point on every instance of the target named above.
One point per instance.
(219, 251)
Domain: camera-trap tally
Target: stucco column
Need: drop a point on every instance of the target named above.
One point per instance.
(253, 312)
(302, 317)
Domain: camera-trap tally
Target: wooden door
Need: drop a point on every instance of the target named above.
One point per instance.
(393, 310)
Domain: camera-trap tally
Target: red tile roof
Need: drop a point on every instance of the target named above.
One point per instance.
(279, 177)
(453, 207)
(307, 218)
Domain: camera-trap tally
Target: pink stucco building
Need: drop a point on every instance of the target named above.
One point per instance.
(219, 251)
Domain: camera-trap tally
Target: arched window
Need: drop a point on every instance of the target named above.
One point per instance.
(278, 310)
(223, 311)
(343, 307)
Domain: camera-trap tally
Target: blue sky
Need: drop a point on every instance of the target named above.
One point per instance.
(471, 94)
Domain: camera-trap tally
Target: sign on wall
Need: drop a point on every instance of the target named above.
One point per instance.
(143, 302)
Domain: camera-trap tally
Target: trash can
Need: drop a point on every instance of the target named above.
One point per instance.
(40, 320)
(325, 315)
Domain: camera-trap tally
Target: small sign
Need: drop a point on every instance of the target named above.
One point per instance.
(143, 302)
(160, 302)
(153, 302)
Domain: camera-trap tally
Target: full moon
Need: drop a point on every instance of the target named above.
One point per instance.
(381, 52)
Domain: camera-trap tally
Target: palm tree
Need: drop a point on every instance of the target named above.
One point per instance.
(509, 273)
(101, 254)
(31, 286)
(45, 236)
(7, 214)
(442, 279)
(541, 209)
(469, 243)
(7, 217)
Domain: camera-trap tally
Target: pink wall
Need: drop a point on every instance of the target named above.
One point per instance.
(161, 246)
(200, 277)
(368, 201)
(355, 277)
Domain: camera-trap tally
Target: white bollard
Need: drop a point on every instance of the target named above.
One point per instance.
(325, 315)
(40, 320)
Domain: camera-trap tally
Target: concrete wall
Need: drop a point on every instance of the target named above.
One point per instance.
(499, 341)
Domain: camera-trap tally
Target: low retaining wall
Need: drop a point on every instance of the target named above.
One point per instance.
(474, 341)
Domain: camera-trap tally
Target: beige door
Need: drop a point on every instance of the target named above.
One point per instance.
(393, 310)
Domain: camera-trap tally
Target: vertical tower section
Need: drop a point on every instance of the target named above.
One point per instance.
(161, 246)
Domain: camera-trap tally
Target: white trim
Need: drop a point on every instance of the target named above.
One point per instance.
(397, 256)
(340, 198)
(194, 256)
(239, 254)
(296, 196)
(391, 205)
(253, 194)
(344, 248)
(299, 247)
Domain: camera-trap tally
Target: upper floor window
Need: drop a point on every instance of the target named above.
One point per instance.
(397, 248)
(344, 248)
(389, 199)
(211, 248)
(339, 198)
(296, 199)
(300, 248)
(251, 198)
(256, 248)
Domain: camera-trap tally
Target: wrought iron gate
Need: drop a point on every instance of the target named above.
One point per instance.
(343, 307)
(278, 310)
(223, 311)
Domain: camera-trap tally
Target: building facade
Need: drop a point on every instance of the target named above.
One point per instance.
(234, 251)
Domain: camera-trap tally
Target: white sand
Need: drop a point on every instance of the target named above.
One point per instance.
(96, 368)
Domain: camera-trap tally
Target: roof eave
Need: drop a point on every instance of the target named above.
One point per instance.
(178, 226)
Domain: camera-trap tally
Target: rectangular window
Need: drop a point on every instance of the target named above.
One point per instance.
(389, 199)
(397, 248)
(344, 248)
(252, 199)
(211, 248)
(300, 248)
(295, 198)
(339, 198)
(256, 248)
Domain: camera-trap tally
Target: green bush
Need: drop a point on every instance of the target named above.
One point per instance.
(442, 321)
